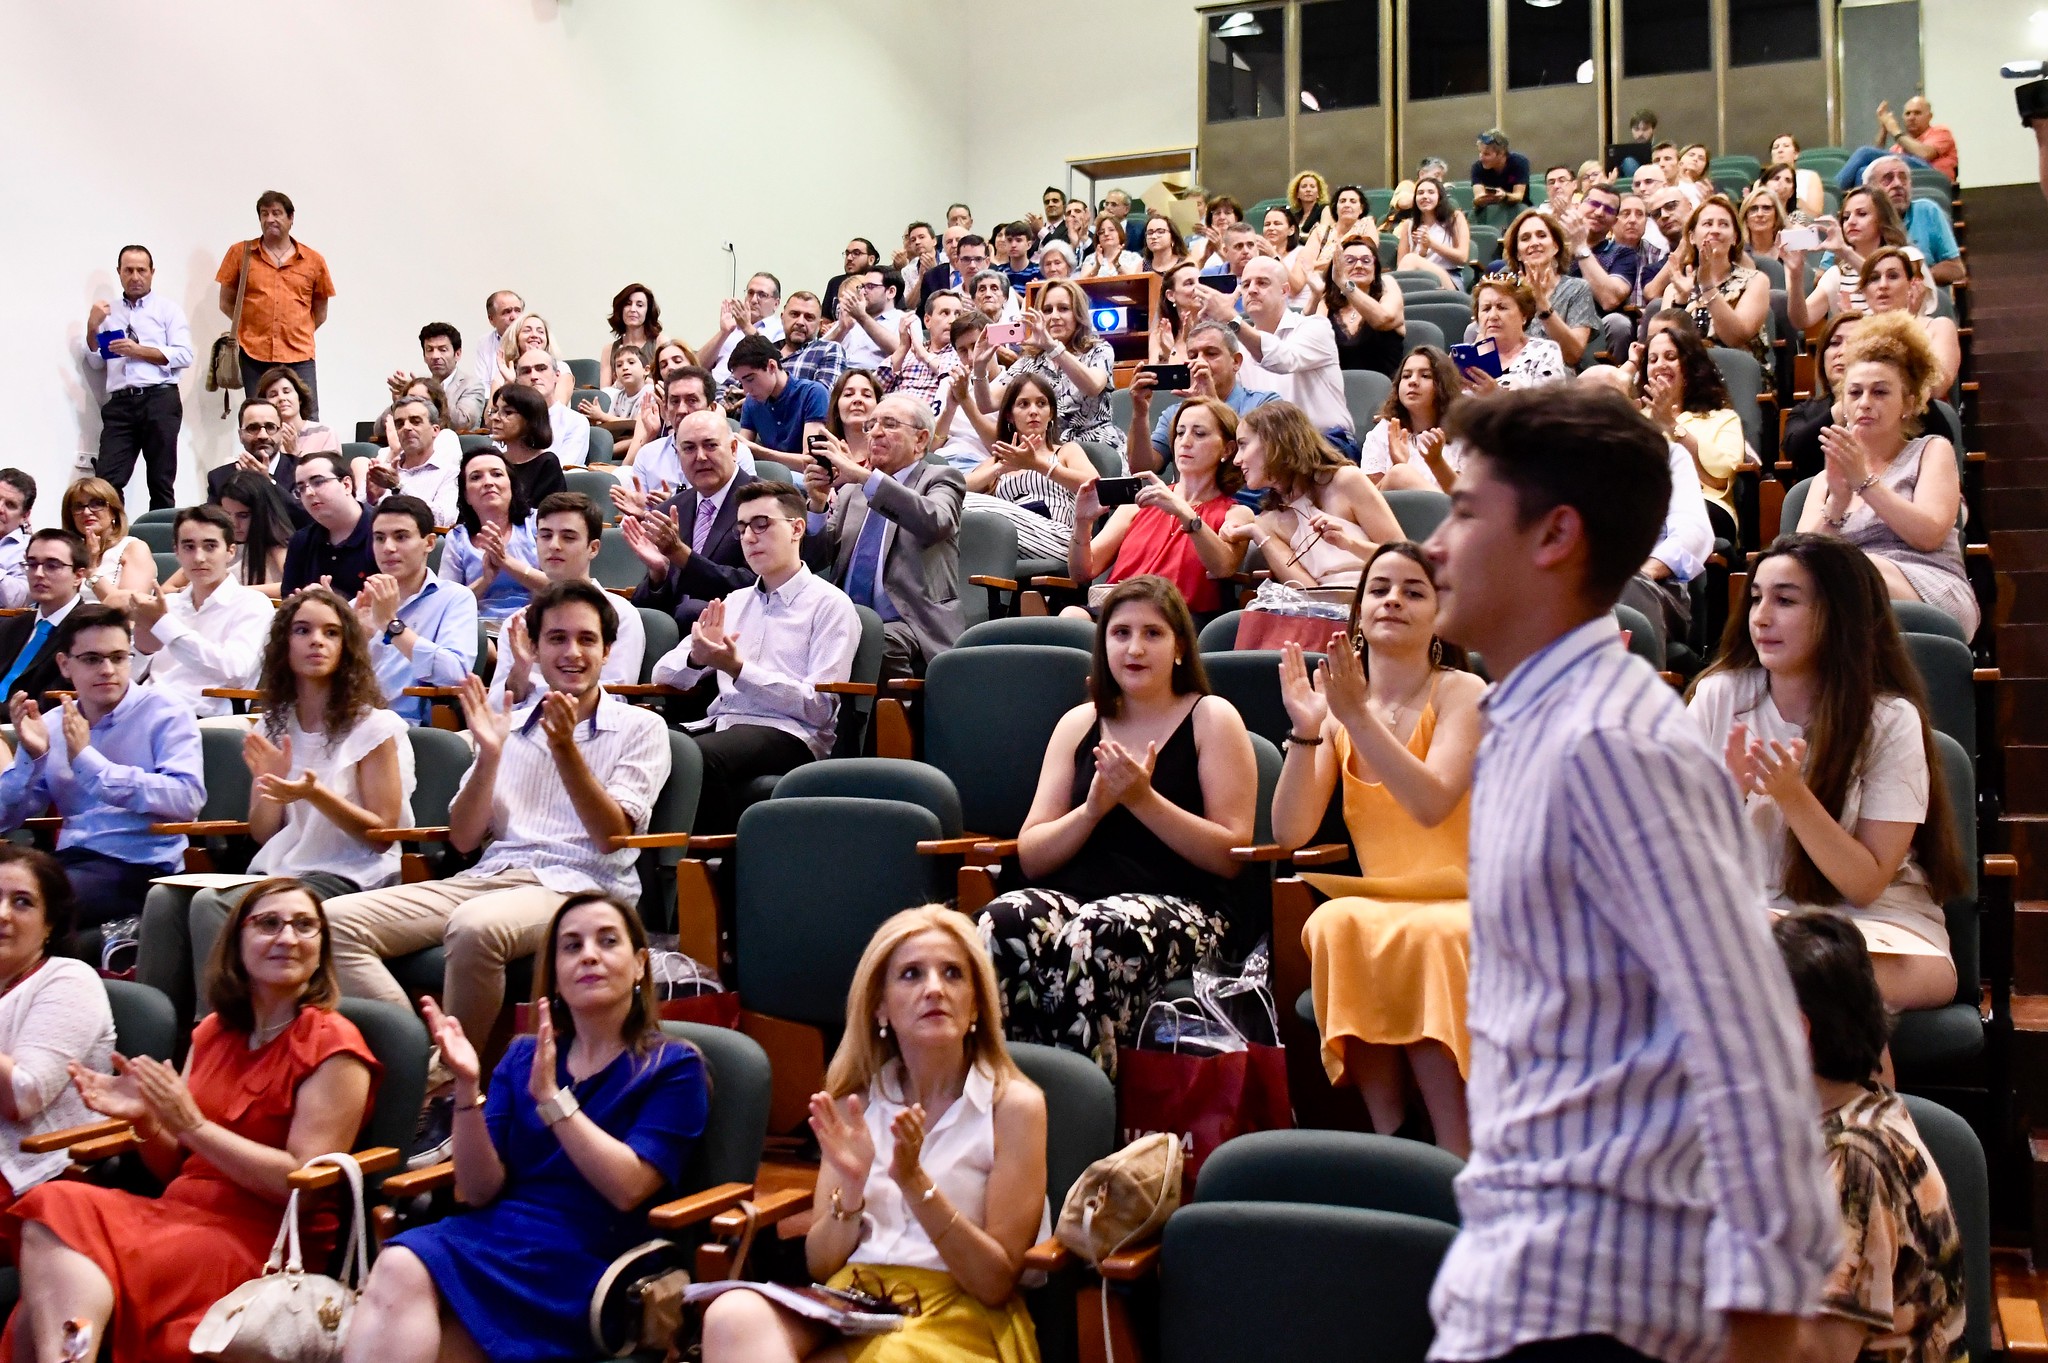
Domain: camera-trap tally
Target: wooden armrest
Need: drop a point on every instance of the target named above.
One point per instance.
(1264, 851)
(408, 834)
(2019, 1321)
(645, 840)
(433, 692)
(948, 847)
(47, 1141)
(413, 1182)
(1001, 584)
(991, 850)
(105, 1147)
(1321, 854)
(767, 1211)
(904, 686)
(1047, 1256)
(231, 693)
(1132, 1264)
(2003, 865)
(374, 1161)
(714, 842)
(203, 828)
(634, 689)
(1065, 584)
(1975, 457)
(1984, 674)
(846, 688)
(688, 1211)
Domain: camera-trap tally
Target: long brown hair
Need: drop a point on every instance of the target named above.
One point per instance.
(227, 978)
(1861, 659)
(863, 1054)
(1298, 457)
(641, 1031)
(1443, 376)
(354, 690)
(1189, 676)
(1688, 252)
(1442, 656)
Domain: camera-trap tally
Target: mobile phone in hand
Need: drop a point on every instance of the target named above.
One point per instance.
(1172, 377)
(1483, 356)
(1800, 239)
(1117, 491)
(1005, 333)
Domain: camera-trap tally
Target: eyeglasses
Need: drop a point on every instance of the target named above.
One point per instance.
(259, 427)
(884, 423)
(760, 525)
(318, 480)
(1605, 210)
(93, 662)
(762, 293)
(273, 924)
(902, 1296)
(48, 565)
(91, 504)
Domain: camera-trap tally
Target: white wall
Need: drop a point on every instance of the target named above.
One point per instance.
(435, 152)
(1963, 43)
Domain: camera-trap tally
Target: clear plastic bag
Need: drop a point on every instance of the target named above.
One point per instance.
(1280, 598)
(677, 976)
(1232, 1009)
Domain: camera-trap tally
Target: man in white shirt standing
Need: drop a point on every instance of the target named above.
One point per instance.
(17, 499)
(413, 466)
(1285, 351)
(211, 633)
(567, 531)
(536, 369)
(144, 343)
(771, 645)
(1646, 1178)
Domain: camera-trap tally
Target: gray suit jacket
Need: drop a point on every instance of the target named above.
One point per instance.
(920, 548)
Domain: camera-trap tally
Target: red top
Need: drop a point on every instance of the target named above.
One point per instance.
(1156, 543)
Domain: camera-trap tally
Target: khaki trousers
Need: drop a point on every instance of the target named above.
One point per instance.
(483, 921)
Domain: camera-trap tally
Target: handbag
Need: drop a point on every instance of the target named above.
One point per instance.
(1122, 1199)
(224, 363)
(288, 1315)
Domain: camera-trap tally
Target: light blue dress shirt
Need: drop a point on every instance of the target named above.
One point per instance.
(152, 320)
(461, 561)
(144, 766)
(442, 616)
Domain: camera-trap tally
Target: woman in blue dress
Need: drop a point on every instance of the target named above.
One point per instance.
(491, 549)
(585, 1123)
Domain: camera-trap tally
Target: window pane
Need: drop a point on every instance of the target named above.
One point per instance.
(1551, 45)
(1340, 54)
(1246, 76)
(1447, 49)
(1661, 37)
(1761, 31)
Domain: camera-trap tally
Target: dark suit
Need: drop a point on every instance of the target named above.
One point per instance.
(920, 558)
(42, 674)
(935, 279)
(721, 568)
(284, 473)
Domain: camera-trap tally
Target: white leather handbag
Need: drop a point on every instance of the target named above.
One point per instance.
(289, 1315)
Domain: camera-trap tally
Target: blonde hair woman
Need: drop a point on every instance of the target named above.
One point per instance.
(530, 332)
(121, 565)
(931, 1181)
(1062, 348)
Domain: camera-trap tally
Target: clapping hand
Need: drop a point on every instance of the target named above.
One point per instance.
(164, 1090)
(558, 720)
(840, 1124)
(588, 407)
(1848, 462)
(280, 789)
(908, 1129)
(30, 729)
(541, 1082)
(1126, 778)
(490, 542)
(629, 500)
(490, 728)
(1306, 706)
(1777, 770)
(710, 645)
(77, 733)
(1343, 683)
(639, 537)
(519, 645)
(458, 1054)
(377, 603)
(264, 758)
(1665, 402)
(117, 1095)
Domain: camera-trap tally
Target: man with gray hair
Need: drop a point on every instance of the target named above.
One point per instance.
(1927, 226)
(411, 464)
(888, 533)
(1499, 176)
(1214, 359)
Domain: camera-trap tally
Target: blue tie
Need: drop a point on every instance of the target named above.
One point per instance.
(864, 573)
(25, 657)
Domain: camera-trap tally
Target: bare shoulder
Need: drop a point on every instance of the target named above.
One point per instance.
(1020, 1102)
(1460, 690)
(1217, 718)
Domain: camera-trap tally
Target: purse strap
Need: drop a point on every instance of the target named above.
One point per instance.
(242, 288)
(285, 1254)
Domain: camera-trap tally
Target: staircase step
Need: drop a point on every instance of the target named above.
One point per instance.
(2005, 440)
(2026, 838)
(2026, 782)
(2023, 650)
(2022, 709)
(2017, 471)
(2030, 947)
(2019, 550)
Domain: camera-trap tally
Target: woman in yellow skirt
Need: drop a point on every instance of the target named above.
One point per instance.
(931, 1184)
(1395, 718)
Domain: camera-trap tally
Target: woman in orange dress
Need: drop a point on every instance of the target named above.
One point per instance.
(275, 1077)
(1393, 715)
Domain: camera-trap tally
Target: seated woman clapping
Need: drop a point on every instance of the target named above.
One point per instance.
(1394, 720)
(931, 1181)
(1126, 851)
(328, 763)
(1031, 473)
(1309, 488)
(53, 1015)
(583, 1124)
(1890, 489)
(1173, 530)
(1406, 447)
(1681, 390)
(275, 1076)
(491, 549)
(1822, 719)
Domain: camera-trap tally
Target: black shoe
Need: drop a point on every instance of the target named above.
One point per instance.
(434, 1139)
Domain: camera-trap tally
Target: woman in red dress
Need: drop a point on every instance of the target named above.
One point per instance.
(275, 1077)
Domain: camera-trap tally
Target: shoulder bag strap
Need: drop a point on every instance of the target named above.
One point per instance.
(355, 1263)
(242, 288)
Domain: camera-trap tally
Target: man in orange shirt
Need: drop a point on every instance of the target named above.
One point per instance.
(286, 297)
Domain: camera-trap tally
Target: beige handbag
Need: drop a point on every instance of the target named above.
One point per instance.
(224, 362)
(1122, 1199)
(289, 1315)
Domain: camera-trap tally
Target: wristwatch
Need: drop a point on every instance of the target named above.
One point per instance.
(1544, 316)
(1192, 524)
(393, 630)
(1236, 324)
(561, 1106)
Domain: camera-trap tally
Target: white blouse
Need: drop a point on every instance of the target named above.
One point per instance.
(309, 840)
(959, 1150)
(57, 1015)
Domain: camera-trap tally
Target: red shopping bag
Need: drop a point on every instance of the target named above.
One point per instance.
(715, 1008)
(1203, 1099)
(1270, 629)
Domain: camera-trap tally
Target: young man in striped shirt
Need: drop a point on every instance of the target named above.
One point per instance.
(1645, 1180)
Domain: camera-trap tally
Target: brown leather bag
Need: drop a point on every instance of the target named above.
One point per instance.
(1123, 1199)
(224, 363)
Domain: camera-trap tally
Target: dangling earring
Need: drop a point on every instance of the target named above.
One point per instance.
(1436, 652)
(882, 1031)
(972, 1024)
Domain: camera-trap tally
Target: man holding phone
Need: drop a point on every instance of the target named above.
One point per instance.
(777, 406)
(1499, 176)
(1214, 358)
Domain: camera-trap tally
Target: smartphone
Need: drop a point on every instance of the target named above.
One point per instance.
(1800, 238)
(1117, 491)
(1005, 333)
(1171, 377)
(1483, 356)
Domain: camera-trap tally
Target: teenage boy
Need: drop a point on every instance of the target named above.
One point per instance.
(771, 645)
(568, 529)
(211, 632)
(422, 627)
(1644, 1173)
(55, 564)
(335, 546)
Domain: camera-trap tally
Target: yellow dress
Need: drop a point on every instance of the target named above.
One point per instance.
(1388, 952)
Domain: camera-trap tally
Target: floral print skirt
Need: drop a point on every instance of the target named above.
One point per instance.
(1080, 975)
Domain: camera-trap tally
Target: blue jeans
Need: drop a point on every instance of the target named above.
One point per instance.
(1851, 173)
(1346, 443)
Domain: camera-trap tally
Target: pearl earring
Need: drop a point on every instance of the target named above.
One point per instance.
(882, 1031)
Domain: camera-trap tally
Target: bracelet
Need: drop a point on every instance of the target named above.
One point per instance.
(948, 1230)
(840, 1212)
(1297, 741)
(471, 1107)
(1865, 484)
